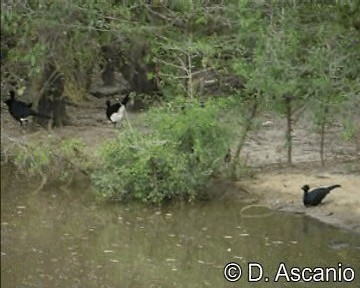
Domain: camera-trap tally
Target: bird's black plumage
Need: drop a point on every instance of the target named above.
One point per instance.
(19, 110)
(115, 112)
(227, 157)
(125, 100)
(111, 108)
(316, 195)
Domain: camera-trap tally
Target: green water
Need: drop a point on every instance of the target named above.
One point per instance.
(64, 238)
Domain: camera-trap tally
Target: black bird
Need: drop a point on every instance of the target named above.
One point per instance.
(227, 157)
(115, 112)
(21, 110)
(316, 195)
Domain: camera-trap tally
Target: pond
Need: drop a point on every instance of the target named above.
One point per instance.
(61, 237)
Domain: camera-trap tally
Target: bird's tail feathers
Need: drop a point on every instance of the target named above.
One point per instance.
(125, 100)
(334, 186)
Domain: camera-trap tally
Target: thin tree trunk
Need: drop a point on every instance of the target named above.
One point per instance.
(108, 74)
(51, 100)
(289, 129)
(322, 140)
(324, 117)
(247, 128)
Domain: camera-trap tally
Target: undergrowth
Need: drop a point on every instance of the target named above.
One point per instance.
(186, 145)
(51, 159)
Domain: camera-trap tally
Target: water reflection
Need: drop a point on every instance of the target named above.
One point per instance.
(61, 238)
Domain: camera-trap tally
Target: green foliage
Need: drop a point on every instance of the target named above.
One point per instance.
(303, 52)
(351, 127)
(141, 168)
(73, 150)
(198, 131)
(185, 147)
(34, 159)
(53, 158)
(349, 131)
(70, 147)
(65, 34)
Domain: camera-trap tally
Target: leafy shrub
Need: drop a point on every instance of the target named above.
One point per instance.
(54, 159)
(33, 159)
(184, 148)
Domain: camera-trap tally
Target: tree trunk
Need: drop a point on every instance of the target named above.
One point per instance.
(51, 101)
(189, 82)
(324, 117)
(289, 129)
(322, 140)
(243, 137)
(135, 70)
(108, 74)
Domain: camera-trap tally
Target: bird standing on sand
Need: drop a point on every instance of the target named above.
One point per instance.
(21, 111)
(115, 112)
(316, 195)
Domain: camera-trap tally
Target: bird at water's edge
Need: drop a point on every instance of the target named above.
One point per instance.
(21, 111)
(316, 195)
(115, 112)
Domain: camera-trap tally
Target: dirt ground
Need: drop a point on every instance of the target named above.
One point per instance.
(271, 180)
(280, 189)
(279, 186)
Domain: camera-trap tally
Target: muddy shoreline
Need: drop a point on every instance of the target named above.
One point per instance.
(280, 190)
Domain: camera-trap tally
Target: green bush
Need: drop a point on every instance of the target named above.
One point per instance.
(185, 147)
(52, 158)
(33, 159)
